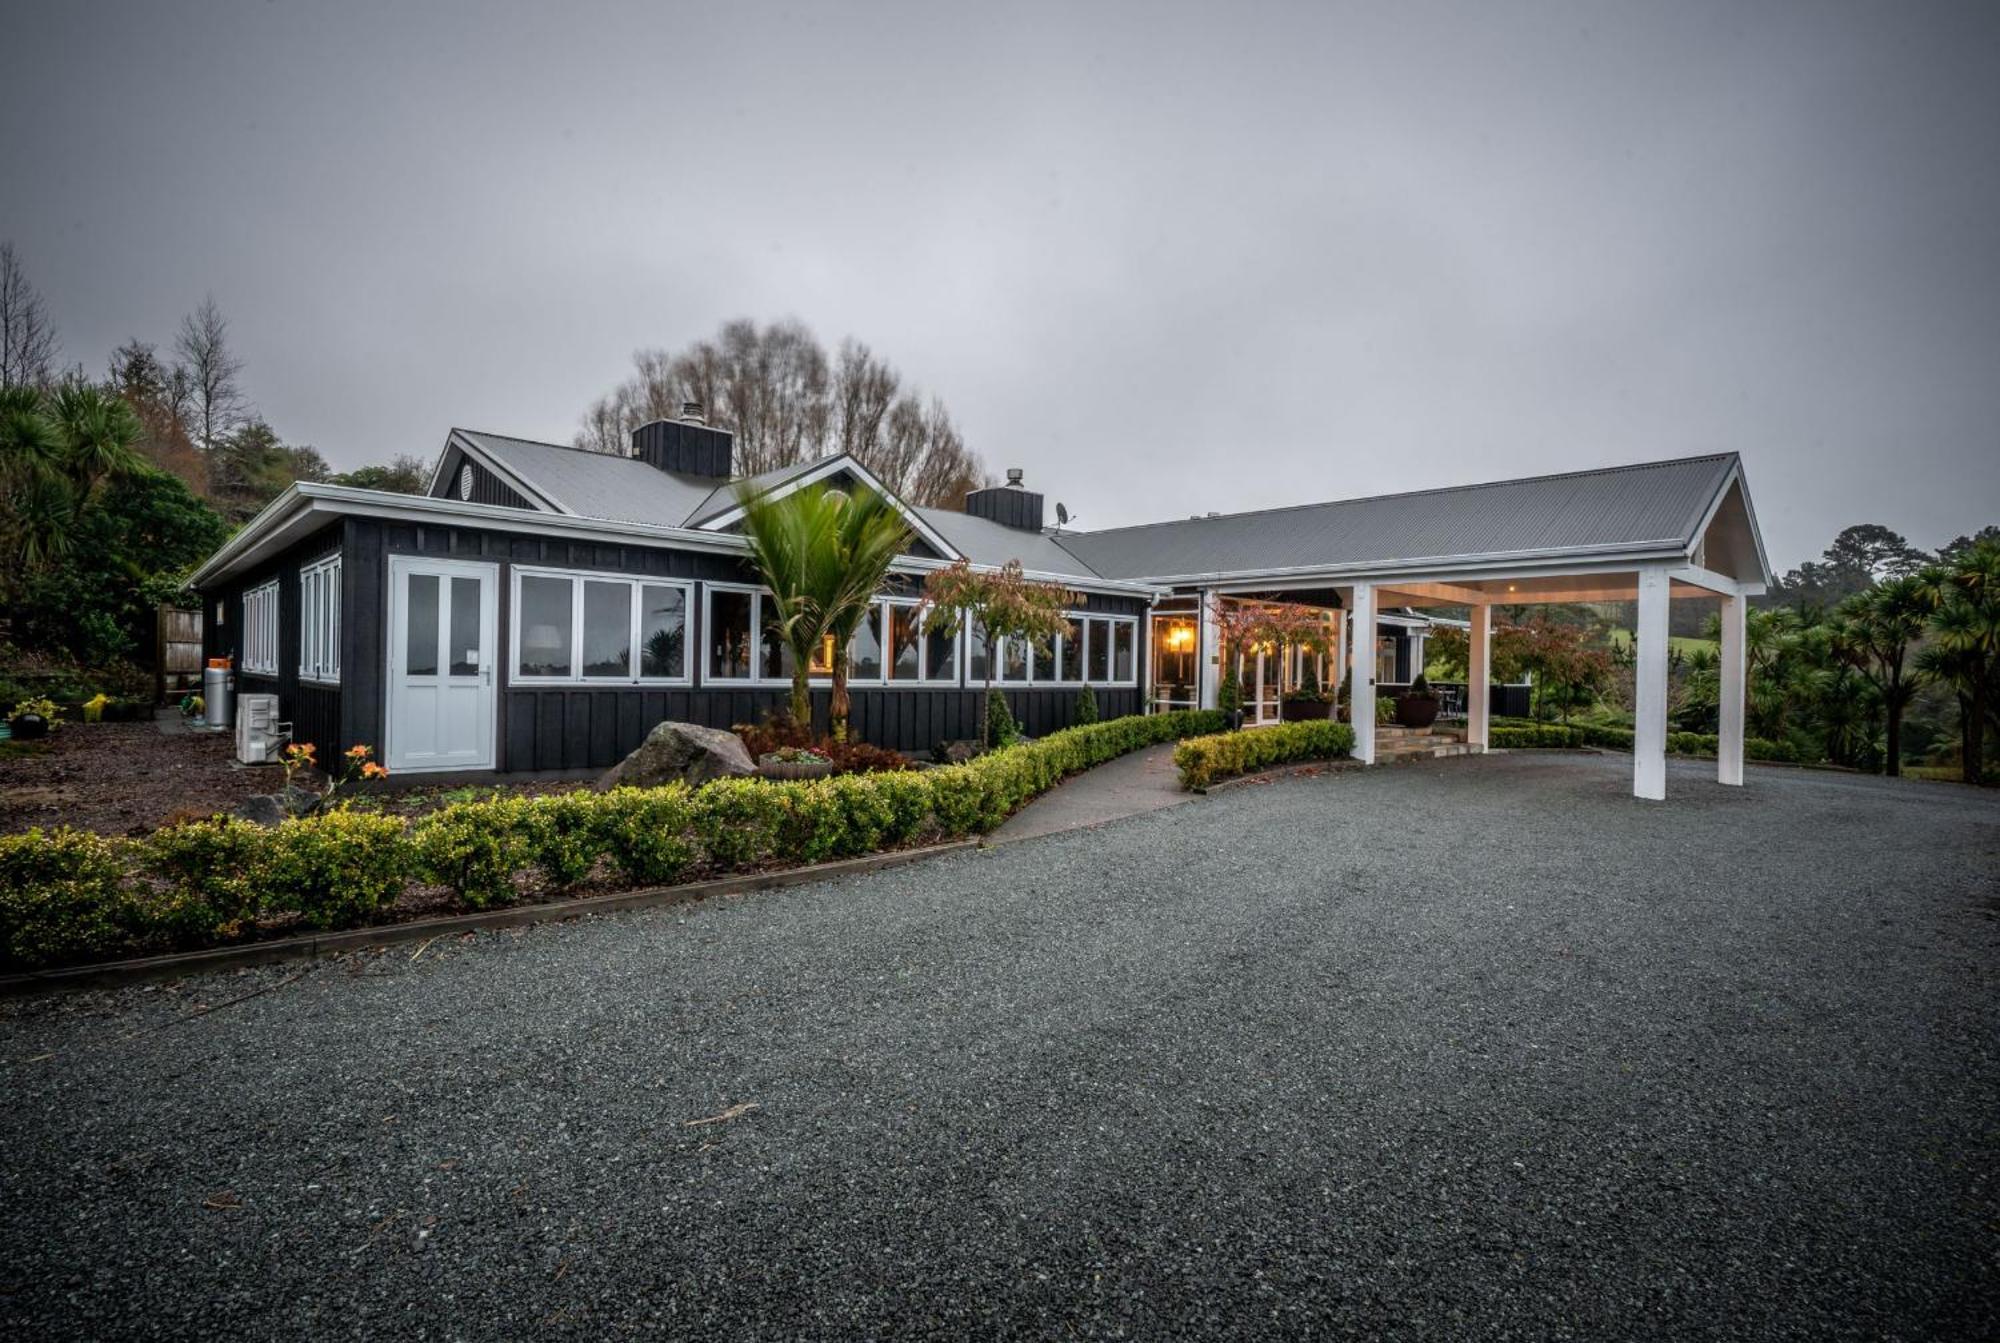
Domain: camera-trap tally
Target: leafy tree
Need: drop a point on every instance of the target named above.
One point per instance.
(252, 466)
(56, 446)
(1002, 604)
(404, 475)
(1874, 633)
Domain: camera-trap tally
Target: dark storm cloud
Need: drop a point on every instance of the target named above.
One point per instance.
(1166, 259)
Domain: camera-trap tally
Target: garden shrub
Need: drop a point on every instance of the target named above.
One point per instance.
(1203, 760)
(1526, 736)
(814, 820)
(906, 800)
(646, 832)
(1086, 706)
(736, 821)
(334, 869)
(204, 868)
(1001, 729)
(62, 897)
(474, 848)
(564, 835)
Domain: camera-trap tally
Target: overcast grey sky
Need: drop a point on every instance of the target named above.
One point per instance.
(1166, 258)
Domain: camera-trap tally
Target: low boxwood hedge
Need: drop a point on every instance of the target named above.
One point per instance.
(1518, 736)
(69, 895)
(1203, 760)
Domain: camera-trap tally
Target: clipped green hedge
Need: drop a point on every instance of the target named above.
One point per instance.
(1203, 760)
(69, 895)
(1528, 736)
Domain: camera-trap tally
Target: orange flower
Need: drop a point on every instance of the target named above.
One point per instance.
(357, 753)
(371, 770)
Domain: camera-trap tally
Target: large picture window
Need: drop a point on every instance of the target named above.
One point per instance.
(260, 629)
(891, 646)
(585, 628)
(319, 621)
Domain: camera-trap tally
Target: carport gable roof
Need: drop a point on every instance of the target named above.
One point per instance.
(1655, 508)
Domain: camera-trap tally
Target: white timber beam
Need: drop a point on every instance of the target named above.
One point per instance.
(1436, 594)
(1722, 585)
(1649, 709)
(1361, 699)
(1734, 686)
(1478, 676)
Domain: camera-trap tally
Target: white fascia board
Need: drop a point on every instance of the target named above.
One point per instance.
(303, 503)
(1696, 576)
(832, 466)
(1444, 568)
(308, 504)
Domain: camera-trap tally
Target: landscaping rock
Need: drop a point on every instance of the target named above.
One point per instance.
(958, 752)
(271, 808)
(684, 752)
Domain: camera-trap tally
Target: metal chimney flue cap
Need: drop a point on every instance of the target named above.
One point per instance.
(1014, 476)
(691, 410)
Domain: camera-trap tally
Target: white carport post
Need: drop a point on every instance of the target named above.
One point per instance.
(1478, 676)
(1361, 698)
(1208, 658)
(1729, 735)
(1649, 708)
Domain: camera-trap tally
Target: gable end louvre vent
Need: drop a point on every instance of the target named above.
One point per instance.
(1009, 505)
(686, 447)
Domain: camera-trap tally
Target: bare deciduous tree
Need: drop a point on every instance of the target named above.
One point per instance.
(785, 401)
(216, 401)
(27, 336)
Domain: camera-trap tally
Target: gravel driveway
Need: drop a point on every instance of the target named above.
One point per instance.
(1477, 1048)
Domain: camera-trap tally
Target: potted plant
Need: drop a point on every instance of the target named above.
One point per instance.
(1417, 706)
(794, 762)
(32, 719)
(1307, 702)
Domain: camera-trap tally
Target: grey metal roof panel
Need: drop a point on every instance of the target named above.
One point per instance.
(1607, 509)
(597, 484)
(724, 496)
(984, 541)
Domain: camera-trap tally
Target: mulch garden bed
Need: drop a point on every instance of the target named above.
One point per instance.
(132, 778)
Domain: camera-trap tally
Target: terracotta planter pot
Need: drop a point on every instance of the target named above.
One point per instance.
(1416, 710)
(1305, 710)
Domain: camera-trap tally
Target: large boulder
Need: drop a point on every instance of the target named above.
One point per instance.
(683, 752)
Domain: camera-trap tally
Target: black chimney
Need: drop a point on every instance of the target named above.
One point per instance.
(685, 446)
(1009, 504)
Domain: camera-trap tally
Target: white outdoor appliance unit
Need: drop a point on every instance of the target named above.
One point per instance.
(259, 733)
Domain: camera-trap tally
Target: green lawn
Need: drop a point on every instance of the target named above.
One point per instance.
(1681, 643)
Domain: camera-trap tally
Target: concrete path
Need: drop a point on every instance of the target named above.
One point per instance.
(1128, 786)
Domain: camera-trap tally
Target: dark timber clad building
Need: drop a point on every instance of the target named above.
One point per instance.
(542, 607)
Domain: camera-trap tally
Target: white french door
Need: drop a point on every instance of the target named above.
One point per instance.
(443, 617)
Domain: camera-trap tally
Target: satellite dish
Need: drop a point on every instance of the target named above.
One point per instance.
(1062, 515)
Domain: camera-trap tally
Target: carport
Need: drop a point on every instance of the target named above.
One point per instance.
(1648, 534)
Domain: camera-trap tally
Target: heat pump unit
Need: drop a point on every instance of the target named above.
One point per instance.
(259, 734)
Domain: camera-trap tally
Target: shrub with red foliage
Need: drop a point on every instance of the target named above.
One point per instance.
(853, 756)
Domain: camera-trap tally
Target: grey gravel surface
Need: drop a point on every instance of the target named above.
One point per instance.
(1478, 1048)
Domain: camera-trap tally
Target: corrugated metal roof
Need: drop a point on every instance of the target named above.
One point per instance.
(984, 541)
(1608, 509)
(597, 484)
(726, 495)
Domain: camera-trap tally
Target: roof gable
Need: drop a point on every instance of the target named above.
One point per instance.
(1652, 506)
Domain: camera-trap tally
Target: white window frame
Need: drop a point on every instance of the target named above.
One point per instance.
(260, 629)
(1081, 619)
(319, 621)
(758, 596)
(636, 583)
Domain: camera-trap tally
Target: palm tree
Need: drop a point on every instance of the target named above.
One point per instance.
(823, 554)
(54, 449)
(1874, 633)
(1965, 644)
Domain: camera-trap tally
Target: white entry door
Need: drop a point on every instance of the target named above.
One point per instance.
(442, 622)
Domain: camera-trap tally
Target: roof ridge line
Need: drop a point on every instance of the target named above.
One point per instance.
(1410, 494)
